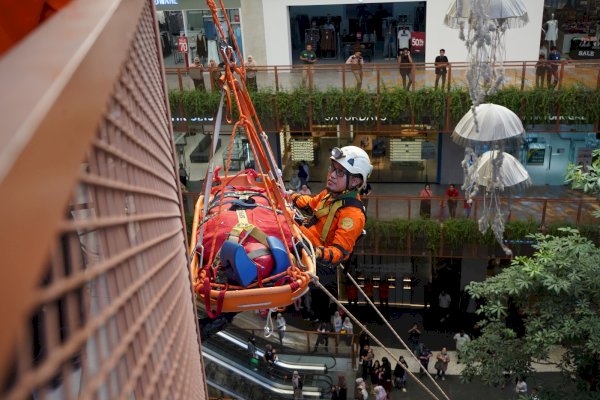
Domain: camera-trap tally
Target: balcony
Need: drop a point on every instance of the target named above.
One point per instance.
(381, 106)
(395, 227)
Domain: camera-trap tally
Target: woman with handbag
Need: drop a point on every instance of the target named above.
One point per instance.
(441, 364)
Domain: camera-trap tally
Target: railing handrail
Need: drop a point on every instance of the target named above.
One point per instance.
(388, 65)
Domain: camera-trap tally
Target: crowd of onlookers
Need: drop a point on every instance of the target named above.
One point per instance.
(377, 378)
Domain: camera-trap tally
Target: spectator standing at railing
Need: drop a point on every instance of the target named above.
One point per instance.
(308, 57)
(468, 203)
(554, 61)
(406, 67)
(215, 74)
(337, 322)
(541, 69)
(196, 74)
(452, 195)
(356, 63)
(425, 206)
(441, 62)
(251, 74)
(323, 335)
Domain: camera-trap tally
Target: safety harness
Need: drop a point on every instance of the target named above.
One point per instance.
(238, 264)
(346, 200)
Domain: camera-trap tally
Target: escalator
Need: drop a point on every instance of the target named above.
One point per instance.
(229, 369)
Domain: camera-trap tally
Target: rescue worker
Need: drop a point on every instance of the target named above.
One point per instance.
(338, 214)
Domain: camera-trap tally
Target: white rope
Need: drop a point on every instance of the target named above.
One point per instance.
(385, 321)
(269, 323)
(377, 341)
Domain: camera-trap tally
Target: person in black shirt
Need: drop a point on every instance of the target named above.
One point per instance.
(441, 62)
(406, 67)
(364, 194)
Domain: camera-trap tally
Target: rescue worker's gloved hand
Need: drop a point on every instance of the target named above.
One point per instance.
(319, 253)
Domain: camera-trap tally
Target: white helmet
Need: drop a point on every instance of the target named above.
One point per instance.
(354, 160)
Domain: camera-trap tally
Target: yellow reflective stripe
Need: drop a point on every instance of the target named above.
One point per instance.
(332, 210)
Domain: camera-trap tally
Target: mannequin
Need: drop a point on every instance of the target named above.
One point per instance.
(551, 31)
(403, 38)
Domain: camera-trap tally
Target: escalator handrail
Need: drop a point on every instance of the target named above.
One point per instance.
(320, 368)
(277, 388)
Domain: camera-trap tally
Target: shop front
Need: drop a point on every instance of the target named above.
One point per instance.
(192, 22)
(378, 30)
(546, 155)
(399, 153)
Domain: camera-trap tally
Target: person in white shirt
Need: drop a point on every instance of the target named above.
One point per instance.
(281, 326)
(461, 338)
(444, 301)
(356, 62)
(521, 386)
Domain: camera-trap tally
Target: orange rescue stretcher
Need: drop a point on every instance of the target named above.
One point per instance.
(279, 289)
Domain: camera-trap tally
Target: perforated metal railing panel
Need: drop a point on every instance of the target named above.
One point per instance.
(113, 316)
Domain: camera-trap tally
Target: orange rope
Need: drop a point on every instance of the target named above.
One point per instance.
(247, 119)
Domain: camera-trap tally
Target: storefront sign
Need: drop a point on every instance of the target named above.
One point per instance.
(417, 42)
(182, 44)
(166, 2)
(585, 47)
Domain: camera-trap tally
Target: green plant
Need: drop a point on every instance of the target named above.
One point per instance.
(459, 231)
(427, 230)
(520, 229)
(536, 106)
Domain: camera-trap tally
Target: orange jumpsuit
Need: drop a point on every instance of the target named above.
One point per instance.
(346, 227)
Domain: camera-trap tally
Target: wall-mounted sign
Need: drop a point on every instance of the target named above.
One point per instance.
(166, 2)
(536, 154)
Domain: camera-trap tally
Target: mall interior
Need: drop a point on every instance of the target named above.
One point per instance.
(107, 308)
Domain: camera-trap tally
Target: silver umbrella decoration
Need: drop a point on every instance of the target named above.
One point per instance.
(491, 127)
(486, 22)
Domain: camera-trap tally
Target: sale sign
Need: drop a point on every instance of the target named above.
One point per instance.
(182, 44)
(417, 42)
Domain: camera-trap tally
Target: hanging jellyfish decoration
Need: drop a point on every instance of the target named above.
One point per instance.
(482, 27)
(247, 252)
(493, 128)
(485, 23)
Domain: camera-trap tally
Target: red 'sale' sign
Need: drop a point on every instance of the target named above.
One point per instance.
(417, 42)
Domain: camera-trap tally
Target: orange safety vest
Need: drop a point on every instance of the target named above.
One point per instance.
(338, 222)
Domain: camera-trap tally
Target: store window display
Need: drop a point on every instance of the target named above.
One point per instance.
(551, 31)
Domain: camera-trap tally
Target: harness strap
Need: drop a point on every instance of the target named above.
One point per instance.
(333, 208)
